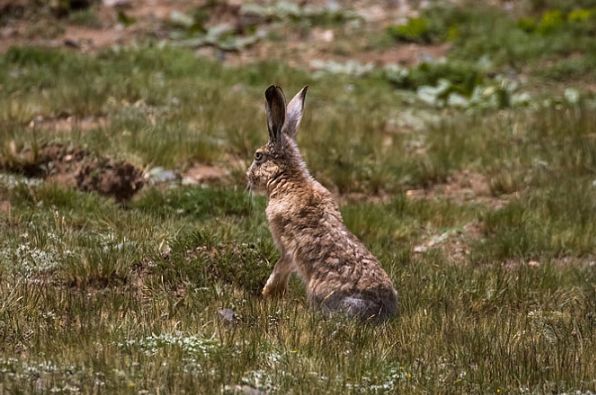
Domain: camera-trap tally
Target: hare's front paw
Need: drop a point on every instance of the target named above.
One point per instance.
(273, 289)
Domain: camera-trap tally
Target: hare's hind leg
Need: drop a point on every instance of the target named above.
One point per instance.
(368, 310)
(356, 306)
(278, 280)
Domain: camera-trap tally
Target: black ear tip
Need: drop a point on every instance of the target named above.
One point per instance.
(304, 90)
(274, 94)
(270, 90)
(273, 91)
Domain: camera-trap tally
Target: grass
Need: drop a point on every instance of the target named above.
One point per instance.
(98, 297)
(116, 327)
(552, 41)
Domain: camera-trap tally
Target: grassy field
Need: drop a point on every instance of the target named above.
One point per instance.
(479, 200)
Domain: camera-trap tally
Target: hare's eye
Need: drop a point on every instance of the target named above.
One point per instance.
(258, 156)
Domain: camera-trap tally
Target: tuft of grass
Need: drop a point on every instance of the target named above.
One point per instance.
(551, 222)
(85, 17)
(414, 30)
(526, 43)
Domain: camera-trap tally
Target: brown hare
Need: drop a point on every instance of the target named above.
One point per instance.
(339, 273)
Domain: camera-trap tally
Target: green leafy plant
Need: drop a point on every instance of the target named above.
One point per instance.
(414, 30)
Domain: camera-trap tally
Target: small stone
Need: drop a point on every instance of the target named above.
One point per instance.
(533, 264)
(420, 249)
(72, 43)
(414, 193)
(243, 389)
(324, 35)
(181, 19)
(117, 3)
(159, 174)
(572, 95)
(228, 316)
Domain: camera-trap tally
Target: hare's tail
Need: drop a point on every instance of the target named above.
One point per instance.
(361, 307)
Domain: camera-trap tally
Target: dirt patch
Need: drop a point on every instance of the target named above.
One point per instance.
(153, 10)
(88, 38)
(78, 168)
(133, 21)
(454, 244)
(119, 179)
(5, 207)
(361, 197)
(404, 54)
(202, 174)
(461, 187)
(564, 261)
(67, 124)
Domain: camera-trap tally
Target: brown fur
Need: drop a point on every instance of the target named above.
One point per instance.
(339, 273)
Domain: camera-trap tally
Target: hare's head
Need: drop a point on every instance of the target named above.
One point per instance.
(279, 159)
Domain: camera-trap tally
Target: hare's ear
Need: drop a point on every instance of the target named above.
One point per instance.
(294, 113)
(276, 112)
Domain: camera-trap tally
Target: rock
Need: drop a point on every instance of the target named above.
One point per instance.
(420, 248)
(228, 316)
(326, 36)
(572, 95)
(181, 19)
(72, 43)
(433, 242)
(533, 264)
(159, 174)
(243, 389)
(117, 3)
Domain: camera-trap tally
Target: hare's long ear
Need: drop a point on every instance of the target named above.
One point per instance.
(294, 113)
(276, 112)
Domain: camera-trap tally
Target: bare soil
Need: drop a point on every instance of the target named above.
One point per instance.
(201, 174)
(68, 123)
(26, 23)
(454, 244)
(77, 168)
(5, 207)
(461, 187)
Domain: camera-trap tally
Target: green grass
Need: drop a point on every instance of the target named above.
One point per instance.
(107, 298)
(538, 40)
(123, 316)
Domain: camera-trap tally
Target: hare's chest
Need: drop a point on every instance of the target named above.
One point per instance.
(281, 219)
(279, 212)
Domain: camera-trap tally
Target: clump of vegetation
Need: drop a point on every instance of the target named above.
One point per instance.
(526, 43)
(435, 25)
(312, 14)
(457, 84)
(555, 20)
(86, 17)
(414, 30)
(462, 76)
(65, 7)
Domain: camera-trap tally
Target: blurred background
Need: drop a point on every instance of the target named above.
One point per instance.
(403, 65)
(314, 34)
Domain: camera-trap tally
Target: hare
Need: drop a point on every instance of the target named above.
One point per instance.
(340, 274)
